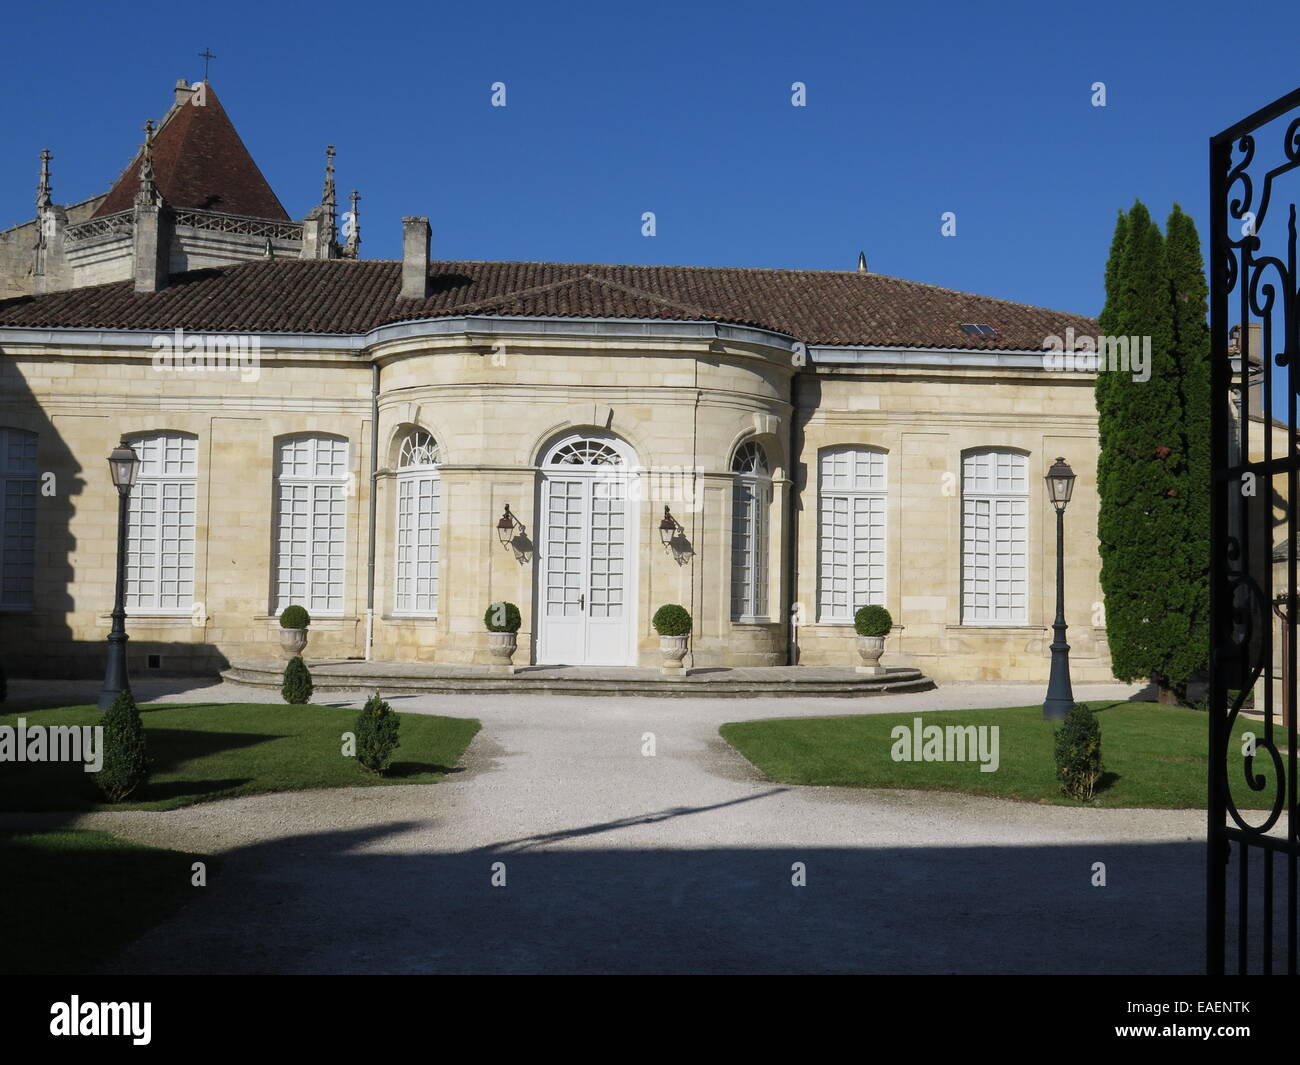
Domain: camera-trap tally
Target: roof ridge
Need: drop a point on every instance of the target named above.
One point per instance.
(650, 297)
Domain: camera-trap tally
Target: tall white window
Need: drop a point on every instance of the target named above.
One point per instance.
(160, 524)
(419, 511)
(311, 487)
(851, 537)
(750, 498)
(995, 538)
(17, 518)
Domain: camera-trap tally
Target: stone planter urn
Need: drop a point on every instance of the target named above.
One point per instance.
(292, 641)
(673, 648)
(870, 648)
(501, 645)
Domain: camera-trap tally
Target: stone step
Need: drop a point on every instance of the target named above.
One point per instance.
(708, 682)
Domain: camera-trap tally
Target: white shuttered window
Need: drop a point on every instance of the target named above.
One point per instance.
(311, 489)
(160, 524)
(995, 538)
(851, 540)
(17, 518)
(750, 502)
(419, 514)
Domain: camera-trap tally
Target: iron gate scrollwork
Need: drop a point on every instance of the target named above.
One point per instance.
(1253, 820)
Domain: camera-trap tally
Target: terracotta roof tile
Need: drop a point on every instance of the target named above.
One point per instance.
(344, 296)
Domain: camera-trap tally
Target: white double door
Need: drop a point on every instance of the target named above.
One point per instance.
(586, 597)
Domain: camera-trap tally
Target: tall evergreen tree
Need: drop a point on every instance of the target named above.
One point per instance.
(1107, 317)
(1141, 471)
(1189, 294)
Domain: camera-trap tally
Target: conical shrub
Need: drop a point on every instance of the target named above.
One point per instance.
(297, 686)
(377, 734)
(126, 761)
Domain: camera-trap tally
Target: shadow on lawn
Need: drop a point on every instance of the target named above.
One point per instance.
(171, 748)
(400, 770)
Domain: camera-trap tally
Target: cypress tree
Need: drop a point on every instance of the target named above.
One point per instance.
(1189, 295)
(1141, 471)
(1107, 317)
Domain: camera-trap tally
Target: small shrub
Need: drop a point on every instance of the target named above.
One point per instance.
(376, 730)
(502, 617)
(297, 686)
(1078, 753)
(672, 620)
(125, 759)
(872, 621)
(294, 617)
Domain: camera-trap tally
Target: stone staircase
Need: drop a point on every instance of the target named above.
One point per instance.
(705, 682)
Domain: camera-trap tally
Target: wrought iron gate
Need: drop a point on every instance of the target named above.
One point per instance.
(1254, 309)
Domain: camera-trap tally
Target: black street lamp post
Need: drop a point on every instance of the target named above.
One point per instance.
(1060, 696)
(123, 463)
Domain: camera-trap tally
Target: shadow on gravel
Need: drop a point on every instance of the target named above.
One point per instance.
(906, 908)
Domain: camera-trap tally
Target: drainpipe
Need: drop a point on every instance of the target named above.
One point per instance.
(792, 540)
(374, 505)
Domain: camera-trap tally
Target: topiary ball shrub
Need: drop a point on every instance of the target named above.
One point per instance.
(294, 617)
(125, 759)
(1078, 753)
(672, 620)
(297, 686)
(502, 617)
(872, 621)
(376, 730)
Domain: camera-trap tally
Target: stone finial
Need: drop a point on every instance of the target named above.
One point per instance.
(328, 195)
(147, 196)
(329, 203)
(862, 262)
(352, 228)
(43, 199)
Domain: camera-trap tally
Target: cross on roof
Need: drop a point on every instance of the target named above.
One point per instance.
(206, 55)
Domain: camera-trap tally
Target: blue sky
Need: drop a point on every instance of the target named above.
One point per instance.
(683, 110)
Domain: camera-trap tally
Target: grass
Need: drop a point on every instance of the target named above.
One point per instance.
(206, 751)
(1154, 756)
(70, 899)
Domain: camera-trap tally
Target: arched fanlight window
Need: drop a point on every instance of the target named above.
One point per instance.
(750, 499)
(419, 517)
(585, 452)
(750, 458)
(418, 449)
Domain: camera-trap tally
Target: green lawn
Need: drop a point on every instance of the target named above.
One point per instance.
(70, 899)
(1154, 756)
(205, 751)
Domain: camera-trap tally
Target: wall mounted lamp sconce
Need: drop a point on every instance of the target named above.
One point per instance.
(506, 526)
(669, 527)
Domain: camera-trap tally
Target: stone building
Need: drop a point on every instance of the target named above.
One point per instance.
(398, 445)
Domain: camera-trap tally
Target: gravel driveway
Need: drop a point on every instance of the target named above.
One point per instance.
(681, 862)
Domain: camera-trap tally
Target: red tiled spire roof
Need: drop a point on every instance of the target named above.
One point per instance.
(200, 162)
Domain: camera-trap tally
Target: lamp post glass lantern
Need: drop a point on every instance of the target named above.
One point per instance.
(1060, 696)
(123, 466)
